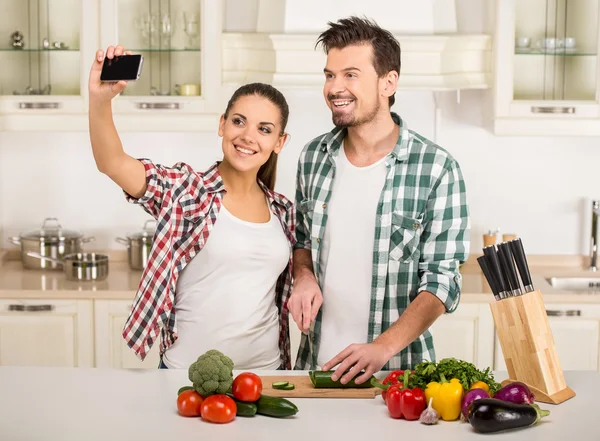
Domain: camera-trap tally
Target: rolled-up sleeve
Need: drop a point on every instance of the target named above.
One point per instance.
(446, 238)
(302, 224)
(159, 180)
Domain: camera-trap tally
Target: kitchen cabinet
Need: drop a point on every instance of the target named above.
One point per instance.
(466, 334)
(180, 40)
(46, 333)
(45, 46)
(576, 332)
(547, 72)
(110, 348)
(45, 87)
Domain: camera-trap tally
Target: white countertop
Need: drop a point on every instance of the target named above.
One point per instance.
(77, 404)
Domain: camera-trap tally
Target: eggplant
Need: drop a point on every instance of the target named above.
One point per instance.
(488, 415)
(516, 392)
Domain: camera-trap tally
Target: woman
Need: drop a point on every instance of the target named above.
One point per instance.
(219, 272)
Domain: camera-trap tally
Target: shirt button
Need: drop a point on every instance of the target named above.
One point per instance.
(415, 226)
(324, 205)
(318, 240)
(312, 338)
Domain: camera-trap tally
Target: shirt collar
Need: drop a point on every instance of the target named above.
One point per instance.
(332, 141)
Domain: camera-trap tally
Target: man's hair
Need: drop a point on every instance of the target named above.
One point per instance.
(354, 31)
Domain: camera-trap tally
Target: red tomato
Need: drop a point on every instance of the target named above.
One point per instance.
(247, 387)
(218, 409)
(189, 403)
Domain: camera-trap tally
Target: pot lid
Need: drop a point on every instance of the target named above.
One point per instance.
(148, 231)
(51, 229)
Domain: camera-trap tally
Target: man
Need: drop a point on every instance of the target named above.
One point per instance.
(382, 220)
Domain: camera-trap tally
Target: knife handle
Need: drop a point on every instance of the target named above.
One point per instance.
(494, 264)
(516, 246)
(489, 276)
(506, 261)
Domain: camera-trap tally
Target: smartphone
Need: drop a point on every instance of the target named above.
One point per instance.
(122, 68)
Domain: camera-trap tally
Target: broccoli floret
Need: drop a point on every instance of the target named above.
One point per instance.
(212, 373)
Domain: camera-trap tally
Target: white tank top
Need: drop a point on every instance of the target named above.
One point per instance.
(225, 297)
(347, 255)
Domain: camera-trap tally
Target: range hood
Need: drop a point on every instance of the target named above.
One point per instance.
(278, 46)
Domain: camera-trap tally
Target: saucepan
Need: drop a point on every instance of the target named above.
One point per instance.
(50, 240)
(80, 266)
(139, 245)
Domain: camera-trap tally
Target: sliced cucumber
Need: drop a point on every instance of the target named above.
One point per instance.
(288, 387)
(280, 384)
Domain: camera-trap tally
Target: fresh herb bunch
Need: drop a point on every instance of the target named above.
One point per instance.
(467, 373)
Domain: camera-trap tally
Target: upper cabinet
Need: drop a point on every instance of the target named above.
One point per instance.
(547, 71)
(44, 50)
(49, 47)
(180, 85)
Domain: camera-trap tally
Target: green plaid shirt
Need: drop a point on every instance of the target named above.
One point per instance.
(421, 233)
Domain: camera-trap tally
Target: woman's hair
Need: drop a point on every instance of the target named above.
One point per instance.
(268, 170)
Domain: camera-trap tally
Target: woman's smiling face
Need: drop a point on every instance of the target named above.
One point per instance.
(251, 132)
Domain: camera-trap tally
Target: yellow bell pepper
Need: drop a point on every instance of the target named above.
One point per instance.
(480, 385)
(447, 397)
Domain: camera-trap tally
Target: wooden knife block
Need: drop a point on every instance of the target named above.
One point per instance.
(528, 347)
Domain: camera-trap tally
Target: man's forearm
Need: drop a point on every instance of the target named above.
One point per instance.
(416, 318)
(303, 266)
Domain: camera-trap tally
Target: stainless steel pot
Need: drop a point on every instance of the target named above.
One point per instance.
(51, 240)
(79, 266)
(139, 245)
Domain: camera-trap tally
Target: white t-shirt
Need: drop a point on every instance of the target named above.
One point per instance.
(225, 297)
(347, 255)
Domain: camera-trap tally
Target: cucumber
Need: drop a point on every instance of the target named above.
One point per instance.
(322, 379)
(280, 384)
(275, 407)
(244, 409)
(289, 386)
(183, 389)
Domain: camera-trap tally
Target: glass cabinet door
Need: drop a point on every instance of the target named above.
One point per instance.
(175, 37)
(167, 34)
(555, 54)
(41, 50)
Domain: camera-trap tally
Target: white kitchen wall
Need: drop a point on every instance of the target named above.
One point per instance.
(536, 187)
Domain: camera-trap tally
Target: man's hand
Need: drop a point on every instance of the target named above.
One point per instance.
(305, 301)
(369, 356)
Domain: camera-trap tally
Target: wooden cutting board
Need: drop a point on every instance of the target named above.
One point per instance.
(305, 389)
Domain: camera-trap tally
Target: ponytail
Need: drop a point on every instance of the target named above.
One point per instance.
(268, 172)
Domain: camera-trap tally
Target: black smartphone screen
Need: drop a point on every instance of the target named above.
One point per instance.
(121, 68)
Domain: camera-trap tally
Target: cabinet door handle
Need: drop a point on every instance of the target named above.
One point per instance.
(551, 109)
(31, 308)
(25, 105)
(160, 106)
(563, 313)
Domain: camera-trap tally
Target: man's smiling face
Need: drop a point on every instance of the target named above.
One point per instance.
(352, 86)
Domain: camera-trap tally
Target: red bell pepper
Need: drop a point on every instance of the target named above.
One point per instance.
(403, 402)
(391, 380)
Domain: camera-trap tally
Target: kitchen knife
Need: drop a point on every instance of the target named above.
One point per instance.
(516, 246)
(508, 265)
(491, 256)
(489, 276)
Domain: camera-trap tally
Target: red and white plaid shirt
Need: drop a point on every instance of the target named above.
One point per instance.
(186, 205)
